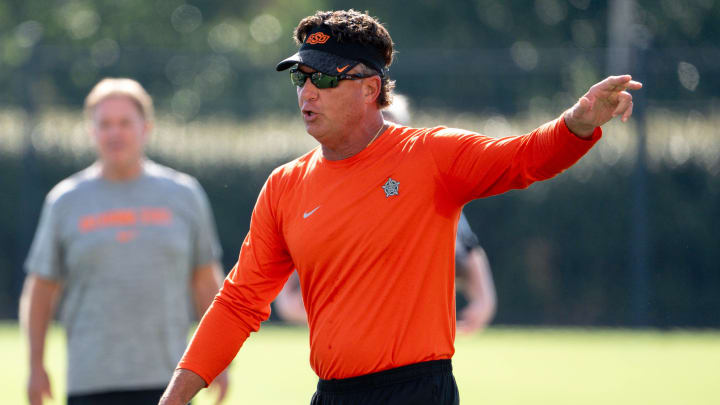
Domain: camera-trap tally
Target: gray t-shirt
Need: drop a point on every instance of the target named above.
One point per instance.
(125, 253)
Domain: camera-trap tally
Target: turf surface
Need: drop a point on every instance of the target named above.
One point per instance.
(499, 366)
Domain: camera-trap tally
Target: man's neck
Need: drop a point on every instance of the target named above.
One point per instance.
(119, 173)
(356, 141)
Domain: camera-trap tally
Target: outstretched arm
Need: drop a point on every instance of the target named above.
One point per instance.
(476, 166)
(600, 104)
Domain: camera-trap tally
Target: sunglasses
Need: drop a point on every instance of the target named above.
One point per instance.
(319, 79)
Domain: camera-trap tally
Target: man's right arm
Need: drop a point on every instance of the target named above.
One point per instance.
(182, 388)
(243, 302)
(474, 166)
(37, 306)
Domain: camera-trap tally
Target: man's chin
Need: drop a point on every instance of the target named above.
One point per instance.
(314, 130)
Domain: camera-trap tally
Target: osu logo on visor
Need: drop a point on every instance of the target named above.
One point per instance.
(317, 38)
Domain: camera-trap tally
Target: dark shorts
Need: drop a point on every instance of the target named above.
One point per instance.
(135, 397)
(427, 383)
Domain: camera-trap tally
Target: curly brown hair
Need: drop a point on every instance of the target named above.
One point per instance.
(355, 26)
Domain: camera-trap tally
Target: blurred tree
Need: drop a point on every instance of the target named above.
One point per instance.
(218, 56)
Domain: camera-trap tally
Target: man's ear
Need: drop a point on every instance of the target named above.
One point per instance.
(371, 88)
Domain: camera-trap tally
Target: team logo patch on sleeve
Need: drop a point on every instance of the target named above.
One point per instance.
(391, 187)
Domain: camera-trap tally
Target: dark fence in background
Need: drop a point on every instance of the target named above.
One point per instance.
(559, 251)
(563, 259)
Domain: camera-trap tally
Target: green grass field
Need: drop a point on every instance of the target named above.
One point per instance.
(499, 366)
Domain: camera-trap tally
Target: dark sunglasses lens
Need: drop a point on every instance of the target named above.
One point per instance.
(323, 81)
(297, 78)
(319, 80)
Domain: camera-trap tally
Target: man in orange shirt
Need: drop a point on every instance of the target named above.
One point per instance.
(368, 218)
(476, 298)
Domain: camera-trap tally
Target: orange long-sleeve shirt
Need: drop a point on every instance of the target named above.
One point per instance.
(372, 238)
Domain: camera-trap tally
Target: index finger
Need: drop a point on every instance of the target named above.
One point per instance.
(619, 83)
(615, 80)
(633, 85)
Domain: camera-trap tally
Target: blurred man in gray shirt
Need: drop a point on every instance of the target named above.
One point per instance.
(132, 247)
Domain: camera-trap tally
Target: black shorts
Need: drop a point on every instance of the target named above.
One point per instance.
(135, 397)
(426, 383)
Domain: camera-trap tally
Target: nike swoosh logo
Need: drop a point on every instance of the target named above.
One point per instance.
(340, 70)
(307, 214)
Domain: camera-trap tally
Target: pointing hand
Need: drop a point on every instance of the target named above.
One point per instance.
(600, 104)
